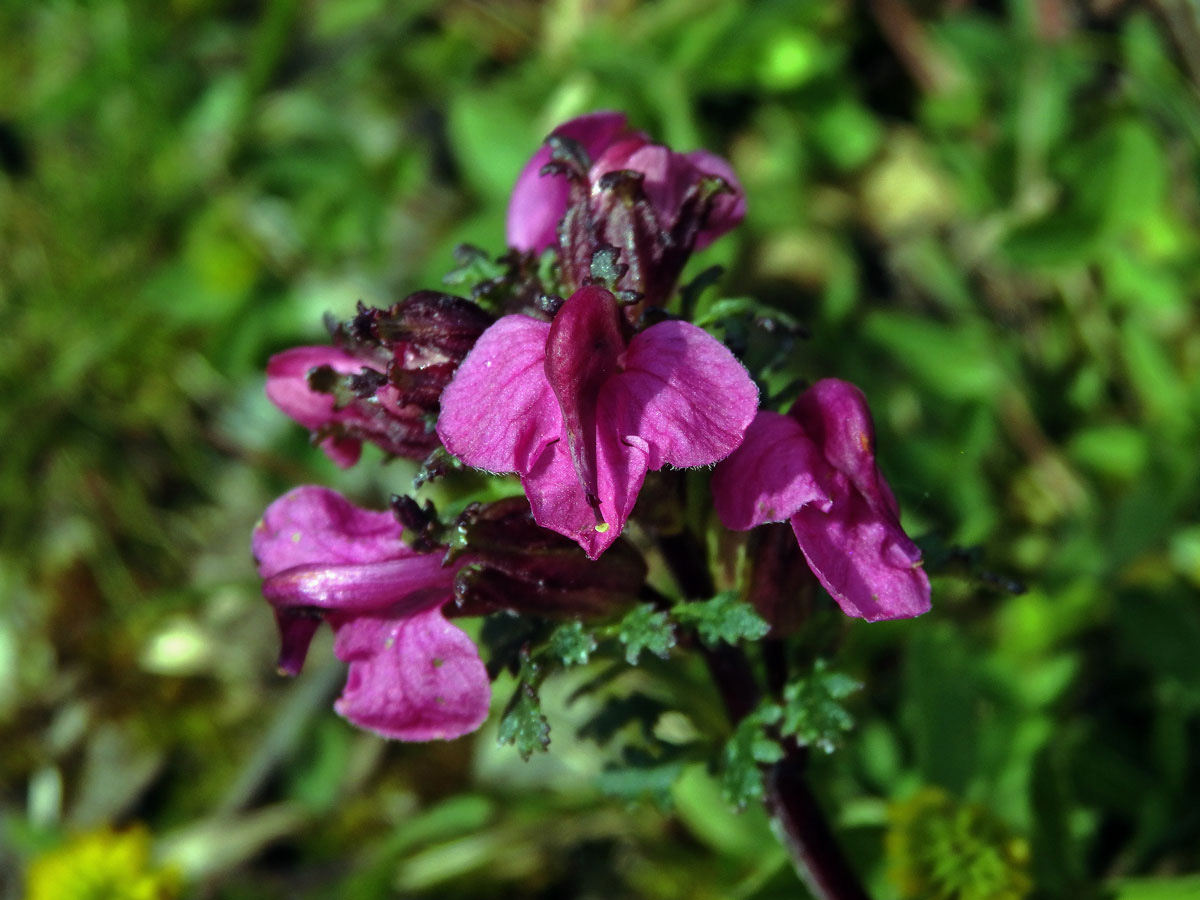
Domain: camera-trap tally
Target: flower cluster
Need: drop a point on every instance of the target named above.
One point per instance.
(581, 395)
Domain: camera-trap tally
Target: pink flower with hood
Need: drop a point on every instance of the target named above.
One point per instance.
(581, 410)
(616, 187)
(816, 468)
(412, 675)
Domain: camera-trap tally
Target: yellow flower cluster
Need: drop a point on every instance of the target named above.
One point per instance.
(103, 864)
(940, 849)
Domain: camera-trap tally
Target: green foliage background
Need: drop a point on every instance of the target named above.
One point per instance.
(985, 213)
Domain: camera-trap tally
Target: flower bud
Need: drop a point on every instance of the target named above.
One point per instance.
(382, 380)
(598, 186)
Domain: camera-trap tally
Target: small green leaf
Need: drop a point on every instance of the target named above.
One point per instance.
(474, 266)
(572, 643)
(645, 628)
(746, 751)
(723, 618)
(813, 713)
(523, 724)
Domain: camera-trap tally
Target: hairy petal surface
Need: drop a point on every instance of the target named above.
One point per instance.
(412, 677)
(499, 412)
(682, 393)
(770, 476)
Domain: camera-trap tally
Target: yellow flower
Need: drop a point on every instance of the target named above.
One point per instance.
(102, 864)
(939, 849)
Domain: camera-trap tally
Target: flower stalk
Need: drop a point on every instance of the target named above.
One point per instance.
(796, 816)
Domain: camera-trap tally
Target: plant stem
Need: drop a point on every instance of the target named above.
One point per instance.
(796, 816)
(803, 829)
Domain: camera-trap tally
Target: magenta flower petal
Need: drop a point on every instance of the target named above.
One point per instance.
(817, 467)
(499, 412)
(583, 431)
(729, 208)
(559, 502)
(538, 202)
(582, 352)
(413, 582)
(865, 561)
(313, 525)
(288, 389)
(770, 476)
(317, 551)
(287, 382)
(835, 415)
(683, 393)
(413, 677)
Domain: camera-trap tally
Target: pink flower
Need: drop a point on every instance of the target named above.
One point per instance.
(382, 383)
(581, 412)
(816, 468)
(413, 675)
(642, 198)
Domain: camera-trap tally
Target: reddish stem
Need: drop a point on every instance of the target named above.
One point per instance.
(800, 823)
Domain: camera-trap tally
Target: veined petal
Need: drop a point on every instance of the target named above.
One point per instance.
(683, 393)
(771, 475)
(538, 202)
(314, 526)
(499, 412)
(412, 677)
(865, 560)
(558, 500)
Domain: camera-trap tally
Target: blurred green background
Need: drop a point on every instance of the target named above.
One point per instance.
(986, 214)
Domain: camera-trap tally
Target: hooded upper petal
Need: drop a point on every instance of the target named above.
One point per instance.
(321, 555)
(500, 412)
(683, 393)
(538, 202)
(582, 353)
(560, 503)
(413, 677)
(317, 551)
(834, 413)
(582, 416)
(770, 476)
